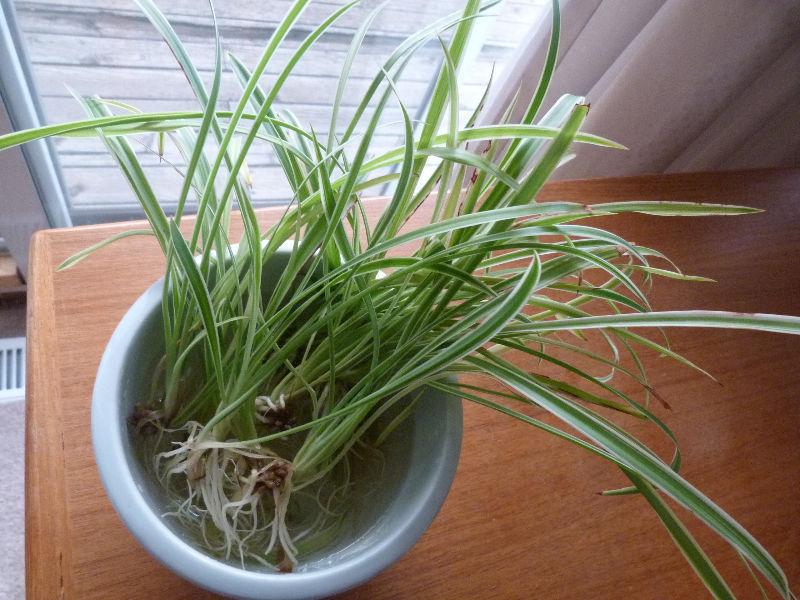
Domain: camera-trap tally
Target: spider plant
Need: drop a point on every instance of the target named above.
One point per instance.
(266, 399)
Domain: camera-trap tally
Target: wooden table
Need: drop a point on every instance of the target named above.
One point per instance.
(523, 519)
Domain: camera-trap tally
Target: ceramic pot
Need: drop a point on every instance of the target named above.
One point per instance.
(387, 525)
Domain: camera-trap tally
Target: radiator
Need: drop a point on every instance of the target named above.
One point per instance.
(12, 369)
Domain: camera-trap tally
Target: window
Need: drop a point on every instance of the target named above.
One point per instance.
(107, 47)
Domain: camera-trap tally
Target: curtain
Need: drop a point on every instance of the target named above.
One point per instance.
(687, 85)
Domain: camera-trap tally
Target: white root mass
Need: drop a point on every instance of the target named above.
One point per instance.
(243, 491)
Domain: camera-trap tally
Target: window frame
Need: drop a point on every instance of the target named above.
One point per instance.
(34, 196)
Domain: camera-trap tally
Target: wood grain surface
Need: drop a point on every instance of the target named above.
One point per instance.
(523, 519)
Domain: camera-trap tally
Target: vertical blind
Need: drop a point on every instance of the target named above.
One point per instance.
(686, 85)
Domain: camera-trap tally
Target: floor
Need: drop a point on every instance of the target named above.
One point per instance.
(12, 501)
(12, 466)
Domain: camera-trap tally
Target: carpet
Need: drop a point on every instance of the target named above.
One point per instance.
(12, 501)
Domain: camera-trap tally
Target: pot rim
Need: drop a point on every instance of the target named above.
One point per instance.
(127, 496)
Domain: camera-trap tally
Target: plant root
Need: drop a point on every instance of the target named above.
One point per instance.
(274, 415)
(232, 496)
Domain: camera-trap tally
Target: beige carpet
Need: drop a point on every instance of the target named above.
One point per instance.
(12, 466)
(12, 500)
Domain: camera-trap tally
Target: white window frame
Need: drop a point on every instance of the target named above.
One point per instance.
(33, 195)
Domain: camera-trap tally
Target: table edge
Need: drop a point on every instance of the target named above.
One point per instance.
(46, 522)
